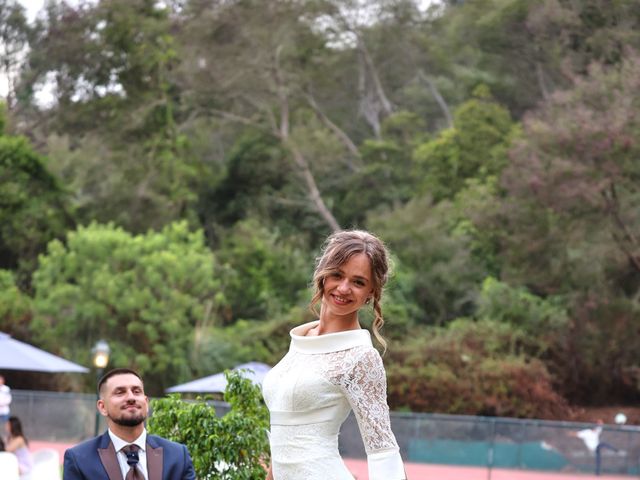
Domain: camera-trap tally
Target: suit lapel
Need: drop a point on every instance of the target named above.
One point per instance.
(110, 461)
(154, 461)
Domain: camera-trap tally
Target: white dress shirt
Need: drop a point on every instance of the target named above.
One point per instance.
(590, 437)
(119, 444)
(5, 400)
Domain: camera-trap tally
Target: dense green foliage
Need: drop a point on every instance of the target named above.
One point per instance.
(33, 205)
(172, 189)
(145, 293)
(15, 306)
(231, 447)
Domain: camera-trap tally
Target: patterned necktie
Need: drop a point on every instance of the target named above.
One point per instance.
(134, 473)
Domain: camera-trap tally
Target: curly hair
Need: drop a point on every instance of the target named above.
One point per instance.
(338, 249)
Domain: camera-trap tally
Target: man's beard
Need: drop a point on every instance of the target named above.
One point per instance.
(129, 422)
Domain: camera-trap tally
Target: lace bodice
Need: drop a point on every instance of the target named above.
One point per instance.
(309, 395)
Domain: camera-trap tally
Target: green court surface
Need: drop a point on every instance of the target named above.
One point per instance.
(528, 455)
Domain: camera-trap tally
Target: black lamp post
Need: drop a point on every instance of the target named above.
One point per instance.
(100, 353)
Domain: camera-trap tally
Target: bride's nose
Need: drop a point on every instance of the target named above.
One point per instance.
(343, 286)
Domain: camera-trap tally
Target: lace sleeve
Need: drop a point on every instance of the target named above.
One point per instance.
(365, 385)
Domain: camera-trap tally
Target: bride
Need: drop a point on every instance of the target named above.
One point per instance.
(331, 368)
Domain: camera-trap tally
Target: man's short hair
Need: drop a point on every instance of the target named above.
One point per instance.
(113, 373)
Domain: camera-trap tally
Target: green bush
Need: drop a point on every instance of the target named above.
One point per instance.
(232, 447)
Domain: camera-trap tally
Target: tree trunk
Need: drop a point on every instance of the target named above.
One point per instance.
(312, 188)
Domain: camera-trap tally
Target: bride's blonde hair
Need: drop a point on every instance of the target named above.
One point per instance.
(337, 250)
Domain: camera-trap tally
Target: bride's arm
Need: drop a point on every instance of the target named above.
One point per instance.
(365, 386)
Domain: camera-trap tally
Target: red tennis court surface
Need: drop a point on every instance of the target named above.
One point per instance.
(420, 471)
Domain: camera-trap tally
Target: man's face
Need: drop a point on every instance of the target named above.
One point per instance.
(122, 400)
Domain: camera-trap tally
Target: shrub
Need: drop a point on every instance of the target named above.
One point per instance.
(231, 447)
(474, 368)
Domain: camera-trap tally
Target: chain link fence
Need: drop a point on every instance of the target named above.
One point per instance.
(503, 443)
(423, 438)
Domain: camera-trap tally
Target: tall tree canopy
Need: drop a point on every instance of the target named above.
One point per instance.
(168, 171)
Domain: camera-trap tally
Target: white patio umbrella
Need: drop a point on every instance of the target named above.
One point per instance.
(17, 355)
(255, 371)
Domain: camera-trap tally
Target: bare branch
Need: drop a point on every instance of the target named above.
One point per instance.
(382, 96)
(300, 161)
(240, 119)
(371, 103)
(262, 108)
(342, 136)
(436, 94)
(369, 108)
(282, 96)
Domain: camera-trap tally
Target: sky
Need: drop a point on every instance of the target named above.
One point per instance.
(32, 7)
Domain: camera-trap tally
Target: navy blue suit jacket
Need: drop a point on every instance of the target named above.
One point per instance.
(96, 459)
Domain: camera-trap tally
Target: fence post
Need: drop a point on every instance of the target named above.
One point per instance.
(491, 448)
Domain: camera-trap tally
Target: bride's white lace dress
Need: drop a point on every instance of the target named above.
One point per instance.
(309, 394)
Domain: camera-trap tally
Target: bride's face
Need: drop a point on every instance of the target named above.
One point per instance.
(347, 288)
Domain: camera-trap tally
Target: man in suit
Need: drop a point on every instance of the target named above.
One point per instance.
(125, 451)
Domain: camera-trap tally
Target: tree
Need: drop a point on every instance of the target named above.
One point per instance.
(489, 42)
(570, 224)
(15, 307)
(144, 294)
(113, 124)
(384, 177)
(33, 206)
(263, 273)
(542, 320)
(475, 148)
(253, 76)
(250, 184)
(14, 41)
(581, 33)
(444, 275)
(573, 170)
(524, 50)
